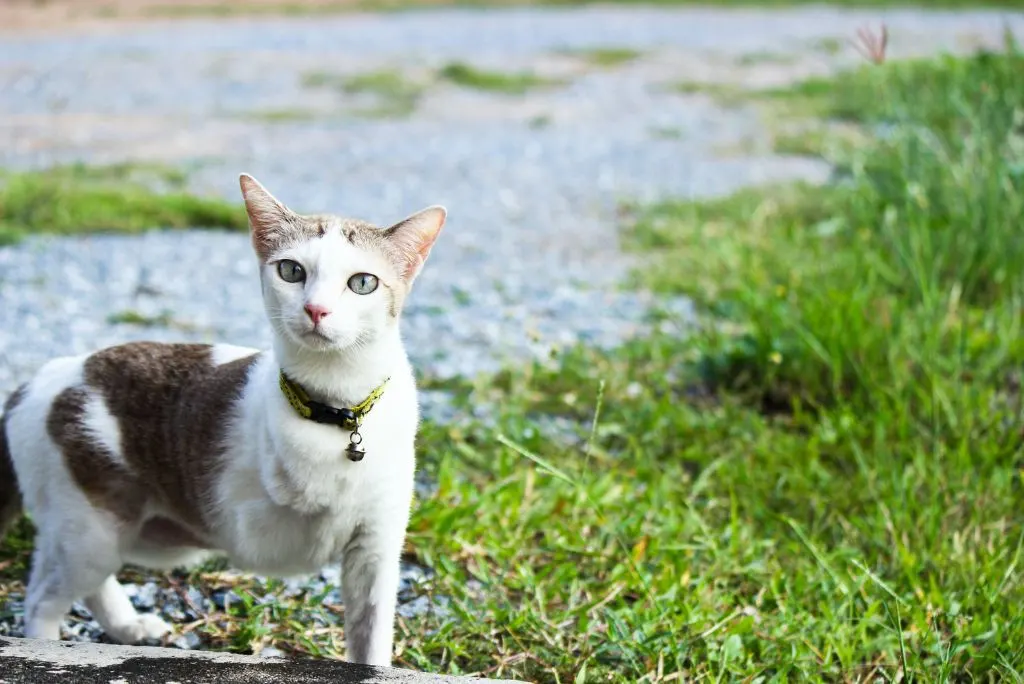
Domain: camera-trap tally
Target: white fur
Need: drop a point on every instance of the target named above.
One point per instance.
(288, 500)
(226, 353)
(103, 427)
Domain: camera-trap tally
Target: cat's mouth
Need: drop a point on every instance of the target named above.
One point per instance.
(317, 334)
(314, 338)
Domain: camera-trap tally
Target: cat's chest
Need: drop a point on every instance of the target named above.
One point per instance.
(294, 517)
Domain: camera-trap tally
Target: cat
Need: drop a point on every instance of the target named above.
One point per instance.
(283, 460)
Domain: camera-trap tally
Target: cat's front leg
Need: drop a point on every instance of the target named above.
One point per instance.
(369, 579)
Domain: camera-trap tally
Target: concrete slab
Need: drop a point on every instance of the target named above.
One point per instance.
(39, 661)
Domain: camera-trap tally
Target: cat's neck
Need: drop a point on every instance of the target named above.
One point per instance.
(342, 378)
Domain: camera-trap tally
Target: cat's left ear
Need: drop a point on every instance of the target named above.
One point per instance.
(270, 221)
(414, 236)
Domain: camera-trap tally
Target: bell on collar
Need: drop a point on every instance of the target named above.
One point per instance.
(354, 453)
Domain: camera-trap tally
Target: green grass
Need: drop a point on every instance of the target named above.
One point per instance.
(164, 319)
(860, 95)
(827, 46)
(512, 83)
(282, 116)
(122, 199)
(724, 94)
(833, 140)
(394, 94)
(767, 57)
(606, 56)
(397, 96)
(823, 483)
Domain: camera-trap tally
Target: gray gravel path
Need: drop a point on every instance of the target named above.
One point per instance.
(530, 256)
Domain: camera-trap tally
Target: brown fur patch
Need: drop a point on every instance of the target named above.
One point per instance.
(164, 532)
(10, 494)
(173, 406)
(105, 482)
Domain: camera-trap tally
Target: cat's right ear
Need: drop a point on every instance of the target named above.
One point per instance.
(269, 220)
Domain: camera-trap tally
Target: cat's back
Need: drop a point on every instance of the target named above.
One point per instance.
(141, 416)
(139, 377)
(142, 380)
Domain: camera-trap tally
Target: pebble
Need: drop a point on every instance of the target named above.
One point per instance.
(187, 641)
(225, 599)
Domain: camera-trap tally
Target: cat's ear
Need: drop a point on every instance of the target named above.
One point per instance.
(414, 236)
(269, 220)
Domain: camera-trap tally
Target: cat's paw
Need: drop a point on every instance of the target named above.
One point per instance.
(144, 627)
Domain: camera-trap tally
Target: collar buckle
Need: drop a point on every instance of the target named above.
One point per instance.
(331, 415)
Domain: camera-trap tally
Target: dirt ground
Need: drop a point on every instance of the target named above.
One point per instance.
(46, 15)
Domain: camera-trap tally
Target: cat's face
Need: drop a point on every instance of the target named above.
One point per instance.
(329, 283)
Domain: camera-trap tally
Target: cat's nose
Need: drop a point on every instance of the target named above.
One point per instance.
(316, 312)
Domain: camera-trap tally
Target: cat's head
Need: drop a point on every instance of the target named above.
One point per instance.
(332, 283)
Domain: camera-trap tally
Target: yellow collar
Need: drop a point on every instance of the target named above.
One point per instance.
(346, 418)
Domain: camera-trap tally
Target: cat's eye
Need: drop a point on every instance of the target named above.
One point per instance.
(362, 283)
(291, 271)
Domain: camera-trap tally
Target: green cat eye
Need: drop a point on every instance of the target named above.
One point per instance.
(291, 271)
(362, 283)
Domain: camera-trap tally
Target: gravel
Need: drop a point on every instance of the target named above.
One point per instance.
(530, 258)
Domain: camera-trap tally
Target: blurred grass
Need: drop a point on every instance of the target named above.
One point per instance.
(395, 95)
(513, 83)
(605, 56)
(125, 198)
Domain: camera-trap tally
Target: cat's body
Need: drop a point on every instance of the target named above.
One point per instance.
(159, 454)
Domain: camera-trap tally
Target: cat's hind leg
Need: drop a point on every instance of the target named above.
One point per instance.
(69, 563)
(110, 606)
(77, 558)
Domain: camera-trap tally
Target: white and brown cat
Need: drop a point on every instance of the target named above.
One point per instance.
(161, 454)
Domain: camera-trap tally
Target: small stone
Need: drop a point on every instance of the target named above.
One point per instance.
(199, 600)
(145, 598)
(224, 598)
(271, 652)
(188, 641)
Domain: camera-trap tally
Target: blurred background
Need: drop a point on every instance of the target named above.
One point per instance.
(532, 124)
(546, 130)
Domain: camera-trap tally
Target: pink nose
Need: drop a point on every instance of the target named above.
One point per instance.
(316, 312)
